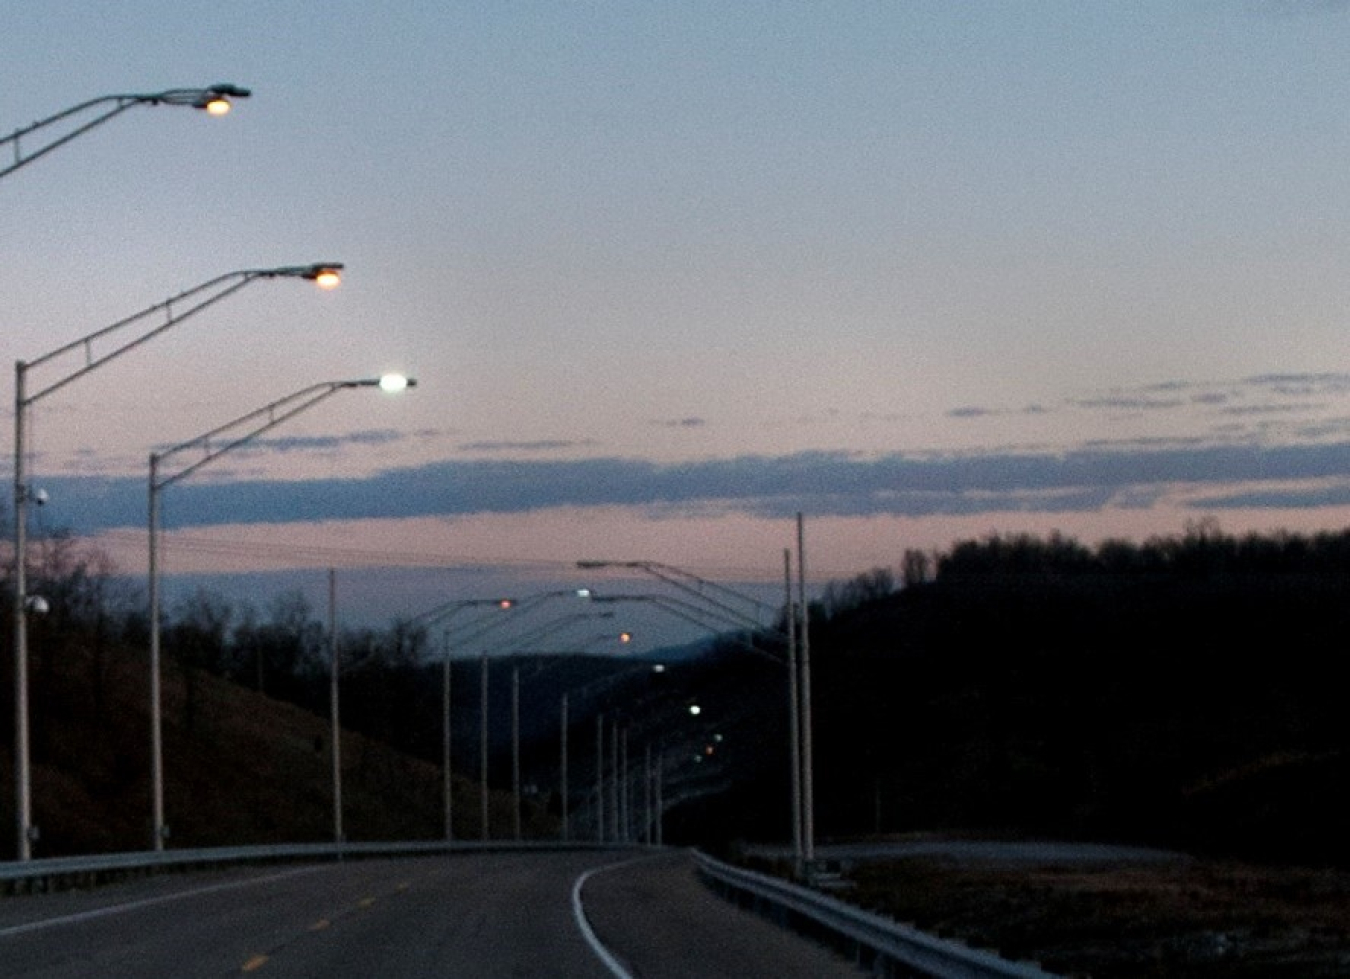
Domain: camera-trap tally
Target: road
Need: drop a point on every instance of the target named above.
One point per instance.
(470, 915)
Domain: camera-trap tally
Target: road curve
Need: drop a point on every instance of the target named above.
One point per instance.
(657, 917)
(478, 915)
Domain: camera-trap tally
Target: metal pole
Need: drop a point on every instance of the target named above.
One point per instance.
(647, 793)
(515, 751)
(562, 769)
(156, 719)
(599, 778)
(23, 787)
(445, 732)
(483, 745)
(808, 773)
(794, 714)
(625, 817)
(614, 782)
(334, 704)
(660, 801)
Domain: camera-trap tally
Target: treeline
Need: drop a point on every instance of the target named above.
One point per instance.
(281, 649)
(1183, 691)
(1202, 551)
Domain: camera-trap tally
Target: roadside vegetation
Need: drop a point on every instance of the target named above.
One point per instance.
(1181, 692)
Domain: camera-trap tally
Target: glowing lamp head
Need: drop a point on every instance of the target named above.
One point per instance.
(505, 603)
(217, 105)
(394, 383)
(625, 637)
(327, 279)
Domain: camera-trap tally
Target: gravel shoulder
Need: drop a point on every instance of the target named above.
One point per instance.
(1152, 918)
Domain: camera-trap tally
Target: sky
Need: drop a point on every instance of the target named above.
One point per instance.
(670, 274)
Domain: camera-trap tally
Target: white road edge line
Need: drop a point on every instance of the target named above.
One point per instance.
(74, 919)
(579, 913)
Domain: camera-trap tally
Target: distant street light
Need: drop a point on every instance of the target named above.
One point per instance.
(251, 425)
(710, 592)
(718, 604)
(166, 314)
(214, 100)
(444, 612)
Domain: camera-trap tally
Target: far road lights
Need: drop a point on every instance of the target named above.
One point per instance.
(214, 100)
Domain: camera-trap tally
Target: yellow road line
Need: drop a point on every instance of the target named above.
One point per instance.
(254, 964)
(320, 925)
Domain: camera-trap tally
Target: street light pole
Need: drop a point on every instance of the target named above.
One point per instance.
(445, 738)
(600, 778)
(334, 702)
(483, 745)
(253, 424)
(808, 758)
(794, 711)
(562, 769)
(515, 750)
(325, 274)
(214, 100)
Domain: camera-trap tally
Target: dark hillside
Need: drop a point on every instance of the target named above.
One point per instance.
(1187, 706)
(240, 768)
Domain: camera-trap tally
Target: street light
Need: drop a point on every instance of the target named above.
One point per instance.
(252, 425)
(796, 634)
(446, 609)
(622, 638)
(214, 100)
(199, 297)
(692, 584)
(445, 612)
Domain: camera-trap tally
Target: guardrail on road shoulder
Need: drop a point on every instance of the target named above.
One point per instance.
(52, 872)
(880, 944)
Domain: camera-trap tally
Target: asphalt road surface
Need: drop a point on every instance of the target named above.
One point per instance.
(470, 915)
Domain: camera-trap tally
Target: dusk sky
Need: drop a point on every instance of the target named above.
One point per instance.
(670, 273)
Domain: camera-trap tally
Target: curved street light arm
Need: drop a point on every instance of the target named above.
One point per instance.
(197, 98)
(692, 584)
(269, 416)
(700, 617)
(440, 613)
(485, 625)
(216, 290)
(556, 625)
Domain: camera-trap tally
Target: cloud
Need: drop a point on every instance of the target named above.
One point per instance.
(1298, 8)
(539, 445)
(1124, 402)
(680, 423)
(826, 483)
(323, 443)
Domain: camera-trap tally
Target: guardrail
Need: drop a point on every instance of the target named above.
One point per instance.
(886, 947)
(55, 872)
